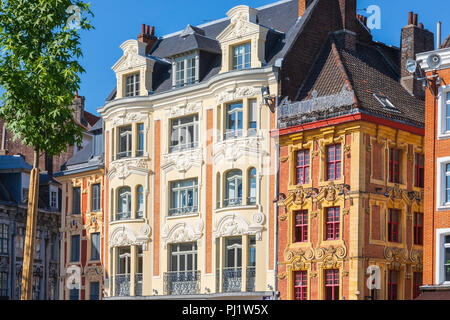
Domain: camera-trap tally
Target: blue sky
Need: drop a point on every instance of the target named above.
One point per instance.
(116, 21)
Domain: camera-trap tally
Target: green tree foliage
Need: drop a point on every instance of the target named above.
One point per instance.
(39, 71)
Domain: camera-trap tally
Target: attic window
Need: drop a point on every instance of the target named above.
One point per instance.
(387, 105)
(186, 71)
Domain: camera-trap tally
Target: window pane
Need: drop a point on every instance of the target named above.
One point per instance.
(94, 290)
(95, 246)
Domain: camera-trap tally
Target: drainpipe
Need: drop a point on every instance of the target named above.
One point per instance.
(277, 169)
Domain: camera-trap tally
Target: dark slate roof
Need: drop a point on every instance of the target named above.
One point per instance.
(97, 126)
(446, 43)
(14, 162)
(367, 71)
(5, 195)
(281, 18)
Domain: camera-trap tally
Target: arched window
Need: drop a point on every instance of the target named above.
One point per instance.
(233, 196)
(139, 202)
(251, 186)
(124, 203)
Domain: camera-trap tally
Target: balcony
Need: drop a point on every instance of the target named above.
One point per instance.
(182, 283)
(183, 147)
(122, 282)
(183, 211)
(138, 284)
(251, 274)
(232, 202)
(232, 134)
(123, 215)
(232, 279)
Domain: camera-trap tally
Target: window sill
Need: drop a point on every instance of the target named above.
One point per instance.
(127, 221)
(184, 150)
(242, 207)
(443, 136)
(190, 215)
(445, 207)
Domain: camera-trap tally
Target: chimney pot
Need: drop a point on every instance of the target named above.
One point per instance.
(421, 25)
(148, 30)
(152, 31)
(410, 18)
(143, 28)
(416, 18)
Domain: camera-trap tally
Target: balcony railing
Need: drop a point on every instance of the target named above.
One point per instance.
(183, 211)
(138, 284)
(231, 279)
(183, 147)
(251, 274)
(123, 215)
(181, 282)
(232, 134)
(233, 202)
(122, 285)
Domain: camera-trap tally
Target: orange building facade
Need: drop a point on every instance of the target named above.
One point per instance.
(437, 176)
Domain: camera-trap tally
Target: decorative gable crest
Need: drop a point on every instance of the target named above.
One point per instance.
(133, 56)
(242, 23)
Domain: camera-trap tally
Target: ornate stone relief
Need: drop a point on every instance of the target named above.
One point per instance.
(233, 149)
(416, 257)
(94, 222)
(236, 93)
(73, 225)
(124, 236)
(133, 56)
(182, 161)
(123, 168)
(234, 224)
(184, 109)
(395, 256)
(128, 117)
(182, 232)
(93, 273)
(330, 257)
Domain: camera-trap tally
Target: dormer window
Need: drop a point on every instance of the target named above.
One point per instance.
(132, 85)
(242, 56)
(186, 71)
(387, 105)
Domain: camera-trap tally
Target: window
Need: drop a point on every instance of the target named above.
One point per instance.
(139, 202)
(300, 285)
(183, 197)
(420, 169)
(132, 85)
(183, 257)
(3, 284)
(386, 103)
(54, 199)
(124, 261)
(392, 285)
(417, 282)
(447, 259)
(252, 117)
(75, 248)
(334, 162)
(233, 257)
(242, 56)
(393, 225)
(94, 291)
(140, 140)
(332, 223)
(185, 72)
(418, 228)
(20, 242)
(234, 121)
(447, 112)
(95, 205)
(124, 203)
(301, 226)
(184, 133)
(76, 200)
(98, 144)
(124, 142)
(74, 294)
(233, 191)
(302, 167)
(447, 183)
(251, 186)
(394, 165)
(95, 246)
(4, 241)
(332, 284)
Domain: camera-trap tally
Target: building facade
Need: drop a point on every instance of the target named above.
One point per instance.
(437, 176)
(351, 172)
(14, 184)
(82, 221)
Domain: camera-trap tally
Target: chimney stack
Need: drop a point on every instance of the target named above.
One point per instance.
(415, 39)
(302, 5)
(347, 10)
(147, 37)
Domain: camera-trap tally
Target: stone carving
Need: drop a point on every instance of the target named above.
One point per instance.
(239, 23)
(94, 221)
(329, 257)
(183, 161)
(234, 224)
(182, 232)
(124, 236)
(233, 149)
(185, 108)
(234, 94)
(133, 56)
(73, 225)
(395, 256)
(128, 117)
(123, 168)
(93, 272)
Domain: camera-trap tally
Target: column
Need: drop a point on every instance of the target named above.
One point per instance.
(244, 262)
(112, 277)
(133, 251)
(221, 262)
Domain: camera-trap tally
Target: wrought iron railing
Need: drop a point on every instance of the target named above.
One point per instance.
(251, 132)
(183, 147)
(233, 202)
(181, 282)
(122, 282)
(232, 134)
(251, 274)
(182, 211)
(123, 215)
(138, 284)
(231, 279)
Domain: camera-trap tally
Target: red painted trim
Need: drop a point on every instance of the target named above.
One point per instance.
(345, 119)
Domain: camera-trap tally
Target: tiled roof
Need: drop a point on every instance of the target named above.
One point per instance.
(446, 43)
(90, 118)
(367, 71)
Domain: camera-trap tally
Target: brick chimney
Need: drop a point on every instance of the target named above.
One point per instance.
(148, 36)
(78, 108)
(302, 5)
(347, 10)
(415, 39)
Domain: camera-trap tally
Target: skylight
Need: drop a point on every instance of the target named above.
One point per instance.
(386, 103)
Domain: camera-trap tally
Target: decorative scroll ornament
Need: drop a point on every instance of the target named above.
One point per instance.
(185, 108)
(124, 236)
(234, 224)
(331, 257)
(94, 222)
(395, 256)
(123, 168)
(73, 225)
(93, 273)
(416, 257)
(235, 94)
(128, 118)
(183, 161)
(232, 149)
(182, 232)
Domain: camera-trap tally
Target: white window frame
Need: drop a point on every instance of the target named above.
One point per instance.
(441, 184)
(134, 85)
(124, 197)
(178, 192)
(128, 144)
(440, 253)
(242, 66)
(177, 128)
(54, 200)
(237, 131)
(443, 133)
(185, 81)
(178, 253)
